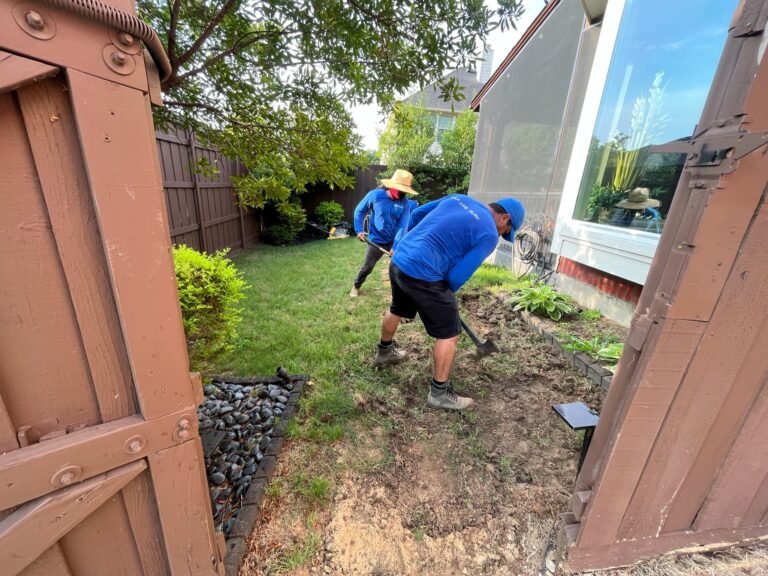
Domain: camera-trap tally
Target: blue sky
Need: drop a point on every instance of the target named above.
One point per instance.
(683, 40)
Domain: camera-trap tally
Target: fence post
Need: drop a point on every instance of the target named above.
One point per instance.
(237, 202)
(198, 195)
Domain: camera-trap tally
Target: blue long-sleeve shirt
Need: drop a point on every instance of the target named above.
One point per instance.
(387, 216)
(447, 239)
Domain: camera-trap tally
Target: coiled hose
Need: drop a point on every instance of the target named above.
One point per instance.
(527, 243)
(111, 16)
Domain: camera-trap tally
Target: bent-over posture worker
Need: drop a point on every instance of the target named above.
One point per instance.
(388, 210)
(445, 242)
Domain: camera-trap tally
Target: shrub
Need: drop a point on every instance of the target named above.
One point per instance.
(329, 213)
(542, 300)
(210, 290)
(292, 219)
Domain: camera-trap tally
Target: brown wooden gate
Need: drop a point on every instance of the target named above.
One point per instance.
(679, 460)
(101, 469)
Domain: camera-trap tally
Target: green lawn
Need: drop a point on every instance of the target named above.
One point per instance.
(298, 314)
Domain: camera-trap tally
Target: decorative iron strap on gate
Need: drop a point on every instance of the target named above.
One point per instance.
(679, 460)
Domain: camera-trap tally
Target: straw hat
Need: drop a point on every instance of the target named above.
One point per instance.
(401, 180)
(637, 199)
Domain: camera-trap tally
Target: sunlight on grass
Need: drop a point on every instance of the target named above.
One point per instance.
(498, 278)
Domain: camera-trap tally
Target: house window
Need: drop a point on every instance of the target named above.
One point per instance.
(444, 123)
(663, 63)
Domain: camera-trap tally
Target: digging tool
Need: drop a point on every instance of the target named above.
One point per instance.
(382, 250)
(483, 348)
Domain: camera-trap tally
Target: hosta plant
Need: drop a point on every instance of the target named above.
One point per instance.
(542, 300)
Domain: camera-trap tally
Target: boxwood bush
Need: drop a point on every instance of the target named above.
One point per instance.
(210, 291)
(329, 213)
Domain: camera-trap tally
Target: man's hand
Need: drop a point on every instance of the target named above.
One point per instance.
(391, 253)
(361, 236)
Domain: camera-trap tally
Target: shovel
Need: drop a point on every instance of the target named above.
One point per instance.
(483, 348)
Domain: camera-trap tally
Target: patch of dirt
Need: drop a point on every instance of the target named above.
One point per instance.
(436, 493)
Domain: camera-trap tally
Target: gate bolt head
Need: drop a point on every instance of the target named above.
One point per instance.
(182, 429)
(118, 58)
(125, 38)
(67, 478)
(134, 444)
(34, 20)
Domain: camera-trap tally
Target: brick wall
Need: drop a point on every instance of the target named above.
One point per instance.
(606, 283)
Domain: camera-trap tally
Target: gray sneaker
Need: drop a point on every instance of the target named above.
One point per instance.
(449, 400)
(389, 356)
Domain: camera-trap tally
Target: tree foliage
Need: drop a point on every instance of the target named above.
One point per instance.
(268, 81)
(408, 142)
(458, 143)
(407, 136)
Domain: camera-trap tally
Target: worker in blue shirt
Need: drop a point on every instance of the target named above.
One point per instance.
(387, 209)
(444, 243)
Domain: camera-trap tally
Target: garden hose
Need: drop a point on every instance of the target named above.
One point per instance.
(111, 16)
(527, 243)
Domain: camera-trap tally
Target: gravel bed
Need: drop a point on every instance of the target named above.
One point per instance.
(237, 421)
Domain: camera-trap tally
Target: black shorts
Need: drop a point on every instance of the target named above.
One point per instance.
(434, 301)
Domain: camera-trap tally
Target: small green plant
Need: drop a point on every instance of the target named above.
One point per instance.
(300, 554)
(542, 300)
(587, 346)
(292, 219)
(210, 291)
(601, 200)
(316, 490)
(329, 213)
(604, 348)
(611, 353)
(590, 315)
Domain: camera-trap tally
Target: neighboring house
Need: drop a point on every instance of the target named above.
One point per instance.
(443, 114)
(571, 123)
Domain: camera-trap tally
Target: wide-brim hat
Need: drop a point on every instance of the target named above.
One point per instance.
(401, 180)
(637, 199)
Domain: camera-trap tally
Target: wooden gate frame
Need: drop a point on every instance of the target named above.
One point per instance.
(693, 495)
(89, 124)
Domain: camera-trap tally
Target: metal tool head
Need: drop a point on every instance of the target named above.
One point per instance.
(487, 348)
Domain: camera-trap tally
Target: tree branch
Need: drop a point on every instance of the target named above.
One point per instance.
(240, 44)
(209, 108)
(174, 9)
(206, 32)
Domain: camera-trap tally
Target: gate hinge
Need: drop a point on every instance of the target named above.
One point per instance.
(716, 150)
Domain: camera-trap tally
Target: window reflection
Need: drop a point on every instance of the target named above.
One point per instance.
(662, 67)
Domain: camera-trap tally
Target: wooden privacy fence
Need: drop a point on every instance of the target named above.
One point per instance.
(202, 206)
(679, 460)
(203, 212)
(101, 467)
(366, 179)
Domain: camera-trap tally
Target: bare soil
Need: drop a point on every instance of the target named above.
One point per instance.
(423, 492)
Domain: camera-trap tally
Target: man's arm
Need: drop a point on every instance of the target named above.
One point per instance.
(402, 225)
(472, 260)
(362, 209)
